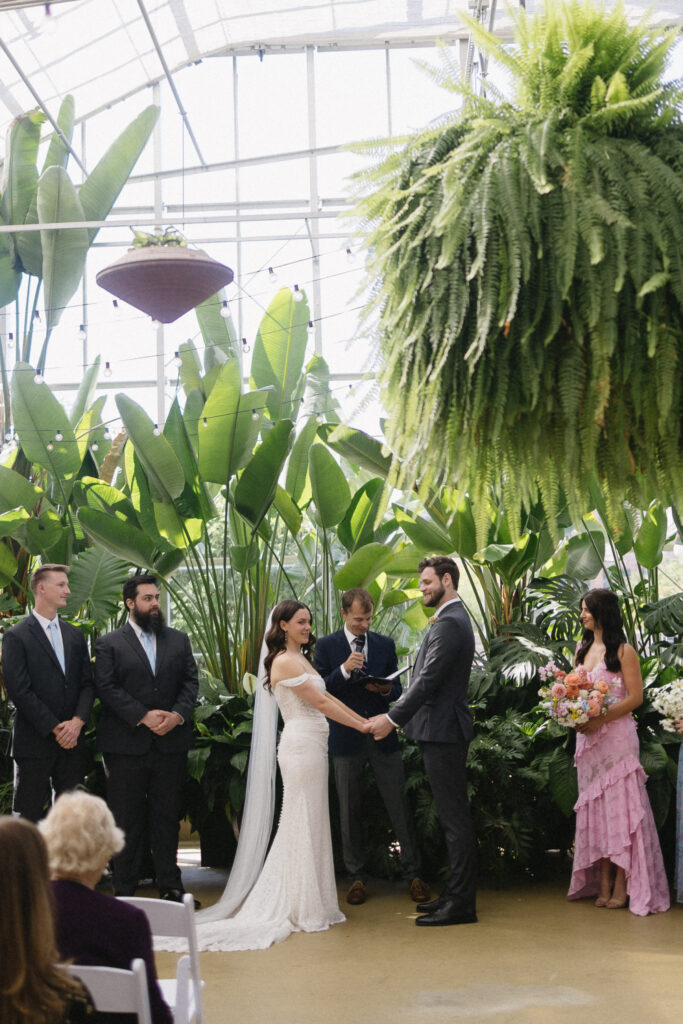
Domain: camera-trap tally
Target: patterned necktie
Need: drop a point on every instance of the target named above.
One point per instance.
(149, 648)
(57, 643)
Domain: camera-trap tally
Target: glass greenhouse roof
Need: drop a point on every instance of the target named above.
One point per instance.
(101, 51)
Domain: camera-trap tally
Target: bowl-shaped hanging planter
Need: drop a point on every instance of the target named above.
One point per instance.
(164, 281)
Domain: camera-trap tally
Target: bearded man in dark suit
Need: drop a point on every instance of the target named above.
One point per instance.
(46, 669)
(434, 712)
(343, 659)
(146, 679)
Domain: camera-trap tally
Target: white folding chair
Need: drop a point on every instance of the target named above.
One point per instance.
(117, 991)
(184, 992)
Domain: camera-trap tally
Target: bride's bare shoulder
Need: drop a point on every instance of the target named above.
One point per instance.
(285, 666)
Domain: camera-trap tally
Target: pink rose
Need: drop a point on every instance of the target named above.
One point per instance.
(585, 684)
(572, 688)
(594, 704)
(602, 686)
(558, 691)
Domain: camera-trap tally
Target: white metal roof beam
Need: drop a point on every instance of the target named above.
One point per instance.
(169, 79)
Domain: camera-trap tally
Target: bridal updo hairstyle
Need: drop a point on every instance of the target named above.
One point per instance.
(32, 987)
(276, 639)
(603, 605)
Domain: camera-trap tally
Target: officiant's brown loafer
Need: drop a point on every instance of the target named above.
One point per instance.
(356, 894)
(419, 891)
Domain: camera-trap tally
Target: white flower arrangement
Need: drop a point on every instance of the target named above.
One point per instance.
(668, 700)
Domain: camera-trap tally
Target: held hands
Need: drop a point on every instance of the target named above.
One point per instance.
(679, 726)
(380, 726)
(67, 733)
(160, 722)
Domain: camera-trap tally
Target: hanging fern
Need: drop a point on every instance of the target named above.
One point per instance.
(526, 260)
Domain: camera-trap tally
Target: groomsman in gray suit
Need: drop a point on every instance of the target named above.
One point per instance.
(434, 712)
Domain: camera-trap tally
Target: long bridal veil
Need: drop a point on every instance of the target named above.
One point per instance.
(259, 801)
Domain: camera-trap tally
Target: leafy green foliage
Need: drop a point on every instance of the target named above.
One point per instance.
(528, 278)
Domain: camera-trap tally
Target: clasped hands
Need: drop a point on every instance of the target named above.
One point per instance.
(160, 722)
(380, 726)
(67, 733)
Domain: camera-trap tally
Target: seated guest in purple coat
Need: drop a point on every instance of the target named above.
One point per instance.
(92, 928)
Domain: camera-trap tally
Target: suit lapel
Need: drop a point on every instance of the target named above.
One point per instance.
(128, 633)
(44, 642)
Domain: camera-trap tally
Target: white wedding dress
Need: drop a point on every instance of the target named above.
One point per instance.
(295, 890)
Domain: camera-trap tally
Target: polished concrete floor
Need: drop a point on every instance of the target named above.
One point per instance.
(533, 957)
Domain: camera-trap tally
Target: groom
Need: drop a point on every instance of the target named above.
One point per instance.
(435, 713)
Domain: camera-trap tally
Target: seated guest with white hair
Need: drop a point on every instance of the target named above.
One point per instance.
(91, 927)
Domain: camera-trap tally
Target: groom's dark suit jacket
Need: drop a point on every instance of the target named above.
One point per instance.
(41, 692)
(128, 689)
(330, 653)
(434, 707)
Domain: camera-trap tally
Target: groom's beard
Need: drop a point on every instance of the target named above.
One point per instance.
(150, 622)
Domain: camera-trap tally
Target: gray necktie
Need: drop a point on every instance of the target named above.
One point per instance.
(149, 648)
(57, 643)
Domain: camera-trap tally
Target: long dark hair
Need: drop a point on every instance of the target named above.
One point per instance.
(603, 605)
(276, 638)
(32, 987)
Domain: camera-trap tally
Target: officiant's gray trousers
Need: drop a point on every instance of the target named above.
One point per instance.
(390, 778)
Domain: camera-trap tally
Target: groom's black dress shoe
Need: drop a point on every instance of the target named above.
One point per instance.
(447, 913)
(428, 908)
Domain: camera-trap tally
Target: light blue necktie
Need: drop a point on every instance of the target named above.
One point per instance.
(57, 643)
(149, 648)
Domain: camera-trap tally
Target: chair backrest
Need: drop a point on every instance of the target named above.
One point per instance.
(117, 991)
(167, 918)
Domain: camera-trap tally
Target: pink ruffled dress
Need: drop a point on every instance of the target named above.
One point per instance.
(613, 814)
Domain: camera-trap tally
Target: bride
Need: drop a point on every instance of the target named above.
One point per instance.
(295, 889)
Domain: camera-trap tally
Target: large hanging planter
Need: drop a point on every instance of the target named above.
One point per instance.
(164, 281)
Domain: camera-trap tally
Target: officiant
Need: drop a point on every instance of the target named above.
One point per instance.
(345, 659)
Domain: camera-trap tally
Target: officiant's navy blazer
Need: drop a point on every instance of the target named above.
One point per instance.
(43, 694)
(330, 653)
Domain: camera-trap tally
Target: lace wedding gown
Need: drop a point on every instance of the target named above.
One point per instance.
(613, 814)
(296, 889)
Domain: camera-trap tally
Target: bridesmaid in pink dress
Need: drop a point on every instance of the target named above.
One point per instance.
(617, 856)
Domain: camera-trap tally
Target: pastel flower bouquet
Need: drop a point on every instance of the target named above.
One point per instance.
(668, 700)
(570, 699)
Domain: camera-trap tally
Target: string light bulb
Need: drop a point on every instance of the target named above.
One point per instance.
(310, 330)
(107, 370)
(254, 415)
(38, 379)
(94, 447)
(225, 310)
(36, 315)
(156, 430)
(350, 256)
(82, 333)
(115, 303)
(319, 418)
(50, 447)
(156, 324)
(298, 294)
(177, 361)
(205, 422)
(246, 347)
(272, 276)
(107, 434)
(59, 436)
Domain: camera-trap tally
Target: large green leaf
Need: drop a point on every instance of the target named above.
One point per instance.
(94, 493)
(255, 488)
(218, 331)
(95, 582)
(356, 446)
(287, 509)
(228, 429)
(86, 391)
(331, 492)
(64, 251)
(38, 419)
(190, 371)
(41, 533)
(11, 520)
(8, 565)
(279, 352)
(585, 555)
(99, 191)
(9, 275)
(177, 530)
(298, 481)
(121, 539)
(20, 173)
(562, 780)
(423, 534)
(651, 536)
(16, 491)
(368, 562)
(357, 526)
(195, 500)
(162, 466)
(58, 154)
